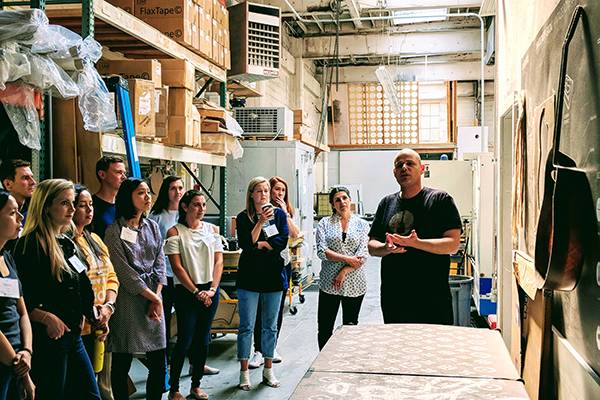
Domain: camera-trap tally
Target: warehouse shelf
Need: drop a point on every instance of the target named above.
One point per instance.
(123, 33)
(112, 143)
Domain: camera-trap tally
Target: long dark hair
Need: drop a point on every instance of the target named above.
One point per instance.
(79, 188)
(162, 200)
(186, 199)
(4, 195)
(123, 203)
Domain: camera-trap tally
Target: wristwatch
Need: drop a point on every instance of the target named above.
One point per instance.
(213, 289)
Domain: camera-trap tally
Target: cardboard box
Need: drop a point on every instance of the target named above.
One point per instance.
(141, 93)
(197, 128)
(172, 9)
(178, 73)
(181, 131)
(161, 105)
(127, 5)
(181, 102)
(215, 52)
(132, 69)
(178, 29)
(227, 58)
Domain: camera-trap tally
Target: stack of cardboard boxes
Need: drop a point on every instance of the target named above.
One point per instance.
(200, 25)
(161, 93)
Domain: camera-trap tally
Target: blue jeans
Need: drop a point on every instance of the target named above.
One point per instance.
(248, 304)
(7, 383)
(193, 327)
(61, 369)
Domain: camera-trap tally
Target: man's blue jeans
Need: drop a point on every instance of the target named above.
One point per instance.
(248, 303)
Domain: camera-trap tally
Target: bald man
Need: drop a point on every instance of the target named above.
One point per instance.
(414, 231)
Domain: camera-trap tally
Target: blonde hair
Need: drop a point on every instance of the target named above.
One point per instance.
(39, 223)
(249, 202)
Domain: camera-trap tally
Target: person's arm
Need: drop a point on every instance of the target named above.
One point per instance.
(279, 242)
(22, 361)
(7, 353)
(447, 244)
(207, 295)
(377, 245)
(294, 231)
(244, 230)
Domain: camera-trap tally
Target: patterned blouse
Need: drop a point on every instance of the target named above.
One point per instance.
(139, 266)
(100, 271)
(329, 237)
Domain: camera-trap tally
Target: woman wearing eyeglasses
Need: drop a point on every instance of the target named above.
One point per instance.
(342, 246)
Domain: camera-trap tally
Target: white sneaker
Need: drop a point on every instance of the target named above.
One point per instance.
(256, 360)
(277, 357)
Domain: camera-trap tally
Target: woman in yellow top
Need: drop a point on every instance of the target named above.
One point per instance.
(100, 270)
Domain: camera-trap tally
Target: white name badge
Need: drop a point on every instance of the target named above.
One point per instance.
(9, 288)
(128, 235)
(77, 264)
(270, 230)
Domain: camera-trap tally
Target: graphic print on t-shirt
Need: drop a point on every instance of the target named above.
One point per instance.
(402, 222)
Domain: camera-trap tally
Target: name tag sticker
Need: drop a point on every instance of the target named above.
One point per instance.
(77, 264)
(9, 288)
(128, 235)
(270, 230)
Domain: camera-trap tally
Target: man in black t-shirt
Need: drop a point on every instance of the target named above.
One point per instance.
(414, 231)
(111, 172)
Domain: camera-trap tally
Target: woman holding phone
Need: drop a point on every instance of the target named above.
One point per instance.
(262, 232)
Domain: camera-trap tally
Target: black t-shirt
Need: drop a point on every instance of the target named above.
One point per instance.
(104, 215)
(416, 275)
(9, 316)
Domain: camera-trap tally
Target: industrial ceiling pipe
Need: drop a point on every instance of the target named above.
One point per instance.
(441, 15)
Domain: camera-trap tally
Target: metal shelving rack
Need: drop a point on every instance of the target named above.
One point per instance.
(125, 36)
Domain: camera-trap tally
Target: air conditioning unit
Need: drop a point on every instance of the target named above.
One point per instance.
(256, 50)
(265, 121)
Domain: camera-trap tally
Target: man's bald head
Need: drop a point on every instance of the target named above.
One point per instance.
(407, 152)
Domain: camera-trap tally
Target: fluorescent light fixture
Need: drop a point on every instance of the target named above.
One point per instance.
(416, 16)
(389, 88)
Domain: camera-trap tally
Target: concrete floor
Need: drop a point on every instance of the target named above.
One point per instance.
(297, 345)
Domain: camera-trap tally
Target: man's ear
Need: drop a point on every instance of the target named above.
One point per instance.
(422, 168)
(7, 184)
(101, 175)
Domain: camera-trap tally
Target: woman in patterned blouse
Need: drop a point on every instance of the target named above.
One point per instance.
(342, 246)
(138, 325)
(100, 270)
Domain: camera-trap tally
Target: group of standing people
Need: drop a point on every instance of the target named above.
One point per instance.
(88, 268)
(78, 268)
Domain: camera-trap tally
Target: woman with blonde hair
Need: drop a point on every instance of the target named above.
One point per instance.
(262, 232)
(57, 294)
(279, 199)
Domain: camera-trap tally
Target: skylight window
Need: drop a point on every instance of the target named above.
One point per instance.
(416, 16)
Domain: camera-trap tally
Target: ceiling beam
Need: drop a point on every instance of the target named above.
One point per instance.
(429, 43)
(354, 9)
(465, 71)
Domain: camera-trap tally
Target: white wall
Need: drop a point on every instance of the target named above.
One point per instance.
(372, 169)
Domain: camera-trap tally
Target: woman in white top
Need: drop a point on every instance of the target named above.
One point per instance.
(196, 254)
(342, 246)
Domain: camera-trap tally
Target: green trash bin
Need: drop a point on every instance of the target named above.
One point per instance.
(461, 287)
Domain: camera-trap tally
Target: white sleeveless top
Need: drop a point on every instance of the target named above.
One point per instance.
(197, 248)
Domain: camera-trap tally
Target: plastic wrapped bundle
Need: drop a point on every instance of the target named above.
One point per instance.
(95, 102)
(46, 75)
(21, 25)
(19, 103)
(13, 66)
